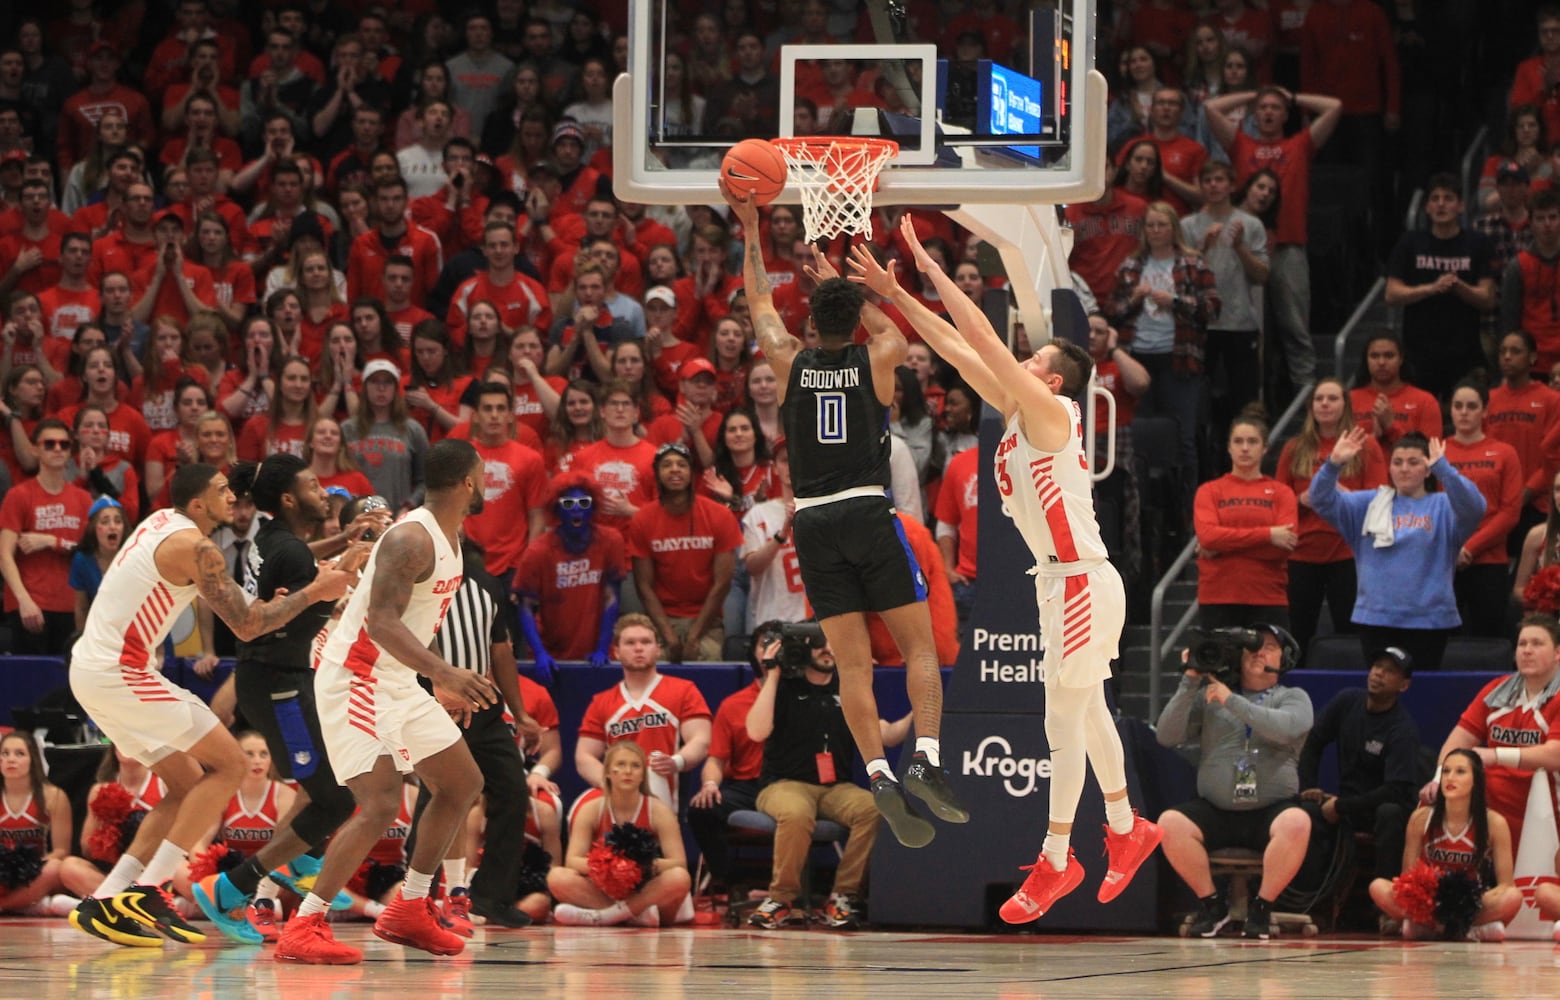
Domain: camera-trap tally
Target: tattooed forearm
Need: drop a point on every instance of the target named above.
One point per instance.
(224, 596)
(755, 277)
(770, 332)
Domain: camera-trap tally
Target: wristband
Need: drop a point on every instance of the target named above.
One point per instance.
(780, 537)
(677, 759)
(1508, 756)
(542, 770)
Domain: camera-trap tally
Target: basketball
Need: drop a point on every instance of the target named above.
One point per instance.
(753, 165)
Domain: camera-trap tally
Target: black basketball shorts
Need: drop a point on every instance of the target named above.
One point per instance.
(854, 557)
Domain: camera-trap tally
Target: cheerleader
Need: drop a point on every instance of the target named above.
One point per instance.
(1459, 833)
(35, 829)
(126, 790)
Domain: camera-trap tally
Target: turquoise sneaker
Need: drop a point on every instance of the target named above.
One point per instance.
(233, 923)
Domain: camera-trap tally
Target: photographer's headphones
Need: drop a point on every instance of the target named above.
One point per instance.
(1286, 642)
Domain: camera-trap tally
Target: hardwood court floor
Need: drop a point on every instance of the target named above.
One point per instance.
(47, 960)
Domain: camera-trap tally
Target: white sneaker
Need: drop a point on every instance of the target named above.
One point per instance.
(650, 916)
(57, 905)
(1492, 931)
(580, 916)
(684, 913)
(1556, 932)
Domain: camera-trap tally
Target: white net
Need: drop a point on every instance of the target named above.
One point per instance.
(836, 178)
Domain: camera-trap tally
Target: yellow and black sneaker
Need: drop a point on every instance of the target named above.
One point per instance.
(151, 906)
(99, 918)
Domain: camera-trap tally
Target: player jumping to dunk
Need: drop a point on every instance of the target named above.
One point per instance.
(1043, 477)
(115, 675)
(850, 548)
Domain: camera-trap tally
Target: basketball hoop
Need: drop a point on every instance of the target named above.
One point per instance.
(836, 178)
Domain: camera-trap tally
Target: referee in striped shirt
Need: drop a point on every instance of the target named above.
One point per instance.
(475, 636)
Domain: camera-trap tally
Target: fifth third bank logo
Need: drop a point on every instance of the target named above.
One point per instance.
(993, 757)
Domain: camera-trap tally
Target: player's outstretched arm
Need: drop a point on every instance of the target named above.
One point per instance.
(1046, 423)
(406, 556)
(774, 339)
(943, 338)
(247, 619)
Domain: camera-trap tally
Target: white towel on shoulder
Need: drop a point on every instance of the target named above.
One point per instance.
(1378, 517)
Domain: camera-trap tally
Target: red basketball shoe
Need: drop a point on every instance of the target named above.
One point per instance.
(1044, 886)
(415, 923)
(309, 940)
(1127, 851)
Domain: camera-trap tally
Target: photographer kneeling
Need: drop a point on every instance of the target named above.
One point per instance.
(809, 758)
(1250, 730)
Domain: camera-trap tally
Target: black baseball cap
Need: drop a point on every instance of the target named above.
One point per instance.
(1399, 657)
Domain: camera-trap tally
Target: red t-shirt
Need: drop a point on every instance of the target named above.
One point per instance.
(1289, 158)
(63, 311)
(682, 548)
(170, 301)
(311, 334)
(729, 740)
(668, 428)
(447, 398)
(1523, 418)
(115, 252)
(528, 408)
(1413, 409)
(45, 573)
(253, 446)
(1320, 541)
(46, 274)
(1181, 157)
(570, 589)
(939, 602)
(1492, 466)
(128, 434)
(404, 319)
(1518, 726)
(156, 401)
(522, 302)
(1233, 517)
(354, 483)
(957, 501)
(366, 262)
(1110, 380)
(1103, 237)
(229, 156)
(539, 706)
(233, 282)
(622, 473)
(515, 483)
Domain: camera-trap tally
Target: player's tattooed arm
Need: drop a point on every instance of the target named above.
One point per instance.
(754, 276)
(247, 619)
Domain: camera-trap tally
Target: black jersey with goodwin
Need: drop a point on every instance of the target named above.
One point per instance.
(835, 428)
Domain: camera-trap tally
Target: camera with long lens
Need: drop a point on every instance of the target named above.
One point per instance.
(1216, 652)
(797, 641)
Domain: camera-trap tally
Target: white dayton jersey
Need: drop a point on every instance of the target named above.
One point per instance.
(349, 645)
(1050, 497)
(135, 608)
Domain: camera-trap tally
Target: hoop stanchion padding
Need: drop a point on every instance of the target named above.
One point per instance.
(835, 178)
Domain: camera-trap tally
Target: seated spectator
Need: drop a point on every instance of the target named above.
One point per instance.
(41, 521)
(1403, 534)
(683, 548)
(1249, 744)
(1541, 545)
(1511, 724)
(1524, 146)
(1385, 405)
(666, 717)
(731, 771)
(1484, 848)
(106, 531)
(1245, 523)
(41, 825)
(808, 762)
(1442, 279)
(1321, 565)
(1522, 293)
(1493, 467)
(569, 578)
(1234, 244)
(1378, 760)
(626, 800)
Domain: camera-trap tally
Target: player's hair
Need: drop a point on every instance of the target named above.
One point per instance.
(631, 620)
(836, 308)
(448, 462)
(190, 482)
(1073, 364)
(276, 477)
(634, 749)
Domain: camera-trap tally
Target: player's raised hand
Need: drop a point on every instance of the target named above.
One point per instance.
(332, 583)
(742, 205)
(821, 269)
(883, 282)
(923, 260)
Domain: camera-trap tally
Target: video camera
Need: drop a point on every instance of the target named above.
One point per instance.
(1216, 652)
(797, 641)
